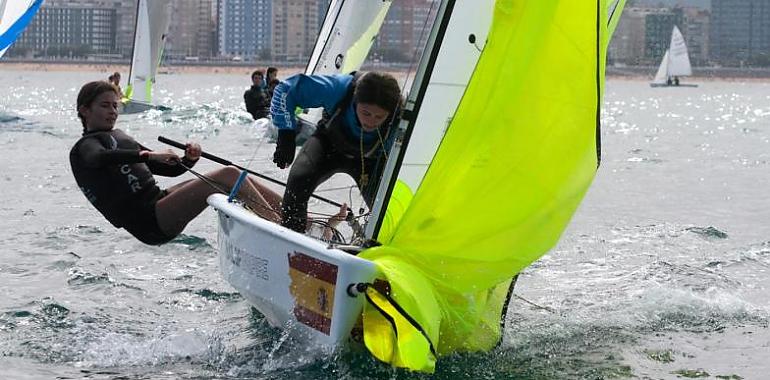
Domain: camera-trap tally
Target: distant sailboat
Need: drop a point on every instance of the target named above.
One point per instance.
(675, 63)
(15, 15)
(152, 19)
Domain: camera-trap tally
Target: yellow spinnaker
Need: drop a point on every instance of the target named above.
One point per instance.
(518, 157)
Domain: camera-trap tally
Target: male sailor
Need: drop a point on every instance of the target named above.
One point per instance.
(358, 126)
(256, 99)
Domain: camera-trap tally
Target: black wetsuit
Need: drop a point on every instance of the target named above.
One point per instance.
(257, 102)
(331, 150)
(116, 180)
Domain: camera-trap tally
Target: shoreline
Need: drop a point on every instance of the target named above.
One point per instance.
(109, 68)
(636, 74)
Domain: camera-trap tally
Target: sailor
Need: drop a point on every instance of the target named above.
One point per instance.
(115, 79)
(360, 111)
(115, 173)
(256, 98)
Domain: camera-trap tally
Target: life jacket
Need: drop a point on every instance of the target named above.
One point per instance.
(337, 132)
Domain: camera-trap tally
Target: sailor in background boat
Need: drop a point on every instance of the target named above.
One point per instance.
(360, 110)
(271, 80)
(116, 173)
(115, 79)
(256, 98)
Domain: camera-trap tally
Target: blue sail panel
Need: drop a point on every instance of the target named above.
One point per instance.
(13, 32)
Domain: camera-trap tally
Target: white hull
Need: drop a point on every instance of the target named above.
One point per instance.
(672, 85)
(133, 106)
(295, 281)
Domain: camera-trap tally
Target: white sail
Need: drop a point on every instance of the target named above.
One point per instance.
(152, 19)
(678, 59)
(346, 37)
(14, 16)
(662, 75)
(457, 38)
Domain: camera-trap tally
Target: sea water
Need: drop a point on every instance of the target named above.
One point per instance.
(662, 273)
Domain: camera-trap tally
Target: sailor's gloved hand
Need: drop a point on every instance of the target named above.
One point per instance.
(285, 147)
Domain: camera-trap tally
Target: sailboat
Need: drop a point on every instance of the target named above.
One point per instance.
(346, 36)
(15, 15)
(675, 63)
(152, 20)
(496, 148)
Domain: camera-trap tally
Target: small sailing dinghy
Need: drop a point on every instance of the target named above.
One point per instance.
(15, 15)
(152, 20)
(496, 148)
(675, 64)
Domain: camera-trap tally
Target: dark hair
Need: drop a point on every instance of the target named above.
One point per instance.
(89, 92)
(271, 70)
(258, 72)
(380, 89)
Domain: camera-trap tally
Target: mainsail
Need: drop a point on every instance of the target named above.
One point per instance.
(344, 41)
(15, 15)
(518, 155)
(152, 20)
(679, 60)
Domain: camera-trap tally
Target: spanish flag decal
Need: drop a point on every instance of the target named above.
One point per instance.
(312, 286)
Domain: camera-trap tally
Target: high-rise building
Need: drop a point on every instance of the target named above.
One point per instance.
(191, 31)
(628, 43)
(245, 28)
(697, 22)
(76, 27)
(295, 29)
(740, 32)
(405, 30)
(75, 30)
(657, 31)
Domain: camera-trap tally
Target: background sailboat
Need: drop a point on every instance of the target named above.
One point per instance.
(15, 15)
(675, 63)
(152, 20)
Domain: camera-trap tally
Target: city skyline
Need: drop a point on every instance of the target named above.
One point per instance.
(717, 32)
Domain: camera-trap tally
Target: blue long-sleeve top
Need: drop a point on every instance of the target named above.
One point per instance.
(313, 91)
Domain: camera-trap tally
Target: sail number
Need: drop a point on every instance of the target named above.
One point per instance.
(246, 261)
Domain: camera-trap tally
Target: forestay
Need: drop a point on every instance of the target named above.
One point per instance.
(517, 157)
